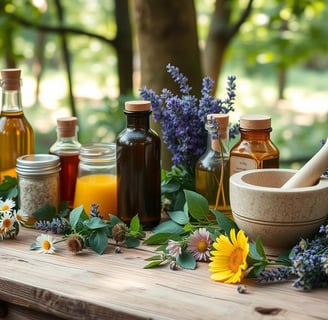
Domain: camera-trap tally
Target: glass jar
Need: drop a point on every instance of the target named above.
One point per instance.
(255, 150)
(38, 182)
(96, 181)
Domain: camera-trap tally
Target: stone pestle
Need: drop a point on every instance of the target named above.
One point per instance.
(310, 173)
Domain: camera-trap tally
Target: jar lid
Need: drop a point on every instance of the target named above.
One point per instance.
(98, 152)
(37, 164)
(137, 105)
(255, 122)
(67, 126)
(10, 79)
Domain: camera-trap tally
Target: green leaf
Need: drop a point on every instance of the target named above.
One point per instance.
(255, 271)
(135, 224)
(152, 258)
(132, 242)
(8, 183)
(98, 241)
(75, 216)
(186, 260)
(197, 205)
(158, 238)
(95, 223)
(254, 255)
(33, 246)
(259, 247)
(46, 212)
(154, 264)
(180, 217)
(170, 187)
(224, 222)
(168, 226)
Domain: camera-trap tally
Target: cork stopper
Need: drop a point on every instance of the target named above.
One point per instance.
(137, 105)
(255, 122)
(66, 126)
(222, 121)
(10, 79)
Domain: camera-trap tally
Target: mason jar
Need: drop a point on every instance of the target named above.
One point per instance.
(96, 180)
(38, 183)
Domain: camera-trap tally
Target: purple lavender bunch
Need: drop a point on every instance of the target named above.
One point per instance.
(183, 118)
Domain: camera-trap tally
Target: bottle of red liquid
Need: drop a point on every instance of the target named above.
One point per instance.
(138, 167)
(67, 147)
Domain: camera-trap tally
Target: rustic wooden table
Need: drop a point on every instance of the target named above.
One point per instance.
(115, 286)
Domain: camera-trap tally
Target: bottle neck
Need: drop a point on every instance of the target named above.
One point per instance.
(138, 119)
(11, 101)
(263, 134)
(218, 144)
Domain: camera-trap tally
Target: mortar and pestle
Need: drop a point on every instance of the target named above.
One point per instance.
(281, 206)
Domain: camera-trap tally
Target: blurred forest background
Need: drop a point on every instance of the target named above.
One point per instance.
(86, 58)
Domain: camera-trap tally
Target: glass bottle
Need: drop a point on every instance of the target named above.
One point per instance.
(38, 182)
(67, 148)
(212, 168)
(255, 150)
(138, 167)
(16, 134)
(96, 181)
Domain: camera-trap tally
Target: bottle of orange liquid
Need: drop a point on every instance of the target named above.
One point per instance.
(16, 133)
(96, 181)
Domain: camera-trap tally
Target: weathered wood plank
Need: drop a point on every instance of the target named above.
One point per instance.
(115, 286)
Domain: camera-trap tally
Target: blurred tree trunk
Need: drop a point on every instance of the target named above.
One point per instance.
(167, 33)
(123, 46)
(221, 32)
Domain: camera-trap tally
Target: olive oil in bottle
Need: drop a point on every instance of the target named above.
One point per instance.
(16, 133)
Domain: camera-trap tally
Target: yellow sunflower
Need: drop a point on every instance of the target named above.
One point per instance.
(229, 257)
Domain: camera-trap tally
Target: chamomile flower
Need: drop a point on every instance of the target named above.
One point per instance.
(45, 244)
(7, 205)
(7, 223)
(20, 216)
(174, 248)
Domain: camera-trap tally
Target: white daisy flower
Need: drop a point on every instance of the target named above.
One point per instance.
(7, 205)
(20, 216)
(45, 244)
(7, 223)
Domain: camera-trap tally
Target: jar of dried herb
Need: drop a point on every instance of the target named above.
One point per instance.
(38, 182)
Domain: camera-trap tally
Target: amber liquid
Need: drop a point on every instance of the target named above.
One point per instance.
(255, 150)
(69, 162)
(212, 181)
(16, 139)
(139, 176)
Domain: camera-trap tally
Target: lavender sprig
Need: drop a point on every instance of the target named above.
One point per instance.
(183, 118)
(56, 225)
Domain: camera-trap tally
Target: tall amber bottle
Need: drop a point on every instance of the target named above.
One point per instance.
(67, 148)
(254, 150)
(138, 167)
(16, 133)
(212, 168)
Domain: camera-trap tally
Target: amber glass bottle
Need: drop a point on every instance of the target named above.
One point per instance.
(67, 148)
(255, 150)
(212, 168)
(16, 134)
(138, 167)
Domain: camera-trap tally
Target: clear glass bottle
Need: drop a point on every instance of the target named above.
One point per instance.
(67, 148)
(96, 181)
(38, 182)
(138, 167)
(212, 168)
(254, 150)
(16, 133)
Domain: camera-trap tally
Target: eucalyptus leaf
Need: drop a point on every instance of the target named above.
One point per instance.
(75, 216)
(98, 241)
(95, 223)
(186, 260)
(170, 187)
(179, 217)
(225, 223)
(253, 253)
(168, 226)
(197, 205)
(132, 242)
(158, 238)
(46, 212)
